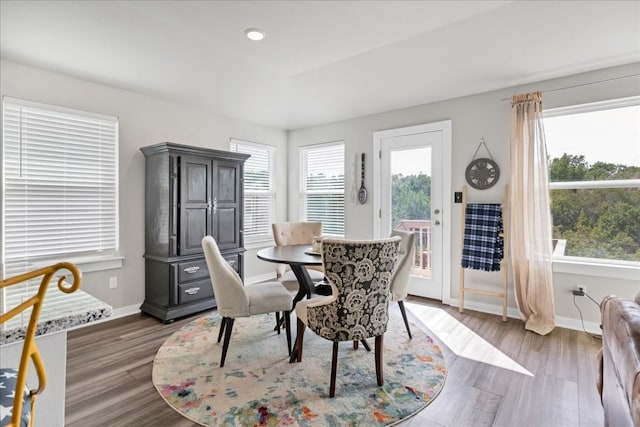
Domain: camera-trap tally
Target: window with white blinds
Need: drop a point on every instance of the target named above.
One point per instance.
(60, 184)
(259, 191)
(322, 186)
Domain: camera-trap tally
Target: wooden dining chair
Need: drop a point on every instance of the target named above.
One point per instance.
(234, 300)
(14, 393)
(359, 272)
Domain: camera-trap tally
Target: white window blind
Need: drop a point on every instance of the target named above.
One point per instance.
(322, 196)
(60, 184)
(259, 192)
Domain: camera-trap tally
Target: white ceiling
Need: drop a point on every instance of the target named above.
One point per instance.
(321, 61)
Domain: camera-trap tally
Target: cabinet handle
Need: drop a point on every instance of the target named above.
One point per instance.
(231, 262)
(215, 205)
(209, 206)
(192, 291)
(192, 269)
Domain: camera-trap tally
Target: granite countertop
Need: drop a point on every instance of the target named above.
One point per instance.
(60, 311)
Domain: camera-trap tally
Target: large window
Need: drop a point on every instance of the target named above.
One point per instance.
(60, 185)
(594, 173)
(322, 186)
(259, 191)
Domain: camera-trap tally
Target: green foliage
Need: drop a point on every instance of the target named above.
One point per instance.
(410, 198)
(597, 223)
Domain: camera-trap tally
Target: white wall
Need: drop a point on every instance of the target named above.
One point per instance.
(485, 116)
(143, 121)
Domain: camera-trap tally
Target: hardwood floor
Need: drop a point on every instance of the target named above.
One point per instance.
(498, 373)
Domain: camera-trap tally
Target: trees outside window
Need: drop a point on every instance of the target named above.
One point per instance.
(594, 174)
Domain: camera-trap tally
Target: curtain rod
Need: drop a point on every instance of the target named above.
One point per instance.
(581, 84)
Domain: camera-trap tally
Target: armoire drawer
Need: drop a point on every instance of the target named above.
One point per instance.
(193, 291)
(233, 261)
(192, 270)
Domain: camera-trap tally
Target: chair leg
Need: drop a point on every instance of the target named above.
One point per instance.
(355, 344)
(278, 321)
(299, 338)
(334, 366)
(404, 317)
(227, 338)
(222, 324)
(365, 344)
(379, 343)
(287, 325)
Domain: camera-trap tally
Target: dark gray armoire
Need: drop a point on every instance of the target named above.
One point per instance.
(190, 192)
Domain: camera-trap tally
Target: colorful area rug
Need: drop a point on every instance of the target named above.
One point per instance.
(259, 387)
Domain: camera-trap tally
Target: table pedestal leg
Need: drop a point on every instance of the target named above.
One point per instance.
(305, 284)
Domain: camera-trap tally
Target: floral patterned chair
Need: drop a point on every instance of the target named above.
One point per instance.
(359, 272)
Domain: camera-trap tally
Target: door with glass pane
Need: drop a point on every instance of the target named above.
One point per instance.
(411, 200)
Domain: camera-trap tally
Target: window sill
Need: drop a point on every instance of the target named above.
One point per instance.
(597, 268)
(91, 264)
(259, 244)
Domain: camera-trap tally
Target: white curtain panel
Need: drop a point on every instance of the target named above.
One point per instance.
(530, 219)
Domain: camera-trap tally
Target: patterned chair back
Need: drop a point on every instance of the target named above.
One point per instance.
(359, 272)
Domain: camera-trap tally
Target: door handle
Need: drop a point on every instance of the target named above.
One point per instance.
(437, 222)
(437, 211)
(209, 206)
(215, 205)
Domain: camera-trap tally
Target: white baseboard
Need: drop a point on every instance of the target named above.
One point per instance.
(571, 323)
(126, 311)
(135, 308)
(561, 321)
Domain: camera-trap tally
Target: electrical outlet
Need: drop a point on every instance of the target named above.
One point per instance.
(457, 197)
(113, 282)
(579, 291)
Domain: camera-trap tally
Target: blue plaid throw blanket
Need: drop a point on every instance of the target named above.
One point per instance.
(483, 246)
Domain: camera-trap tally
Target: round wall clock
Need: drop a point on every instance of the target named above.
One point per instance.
(482, 173)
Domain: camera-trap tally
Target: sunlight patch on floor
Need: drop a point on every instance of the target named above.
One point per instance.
(462, 340)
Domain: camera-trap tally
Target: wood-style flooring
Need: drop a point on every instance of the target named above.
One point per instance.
(498, 373)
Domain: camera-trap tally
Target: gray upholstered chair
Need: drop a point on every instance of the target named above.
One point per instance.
(359, 272)
(400, 279)
(296, 233)
(236, 300)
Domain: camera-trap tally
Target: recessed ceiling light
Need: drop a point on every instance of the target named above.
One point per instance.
(255, 34)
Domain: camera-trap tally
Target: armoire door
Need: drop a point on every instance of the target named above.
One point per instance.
(196, 204)
(227, 204)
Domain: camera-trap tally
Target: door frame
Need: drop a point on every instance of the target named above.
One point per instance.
(447, 200)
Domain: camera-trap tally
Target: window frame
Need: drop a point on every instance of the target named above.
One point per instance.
(271, 151)
(88, 261)
(304, 193)
(599, 267)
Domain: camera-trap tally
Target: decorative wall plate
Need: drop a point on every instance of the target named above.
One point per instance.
(482, 173)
